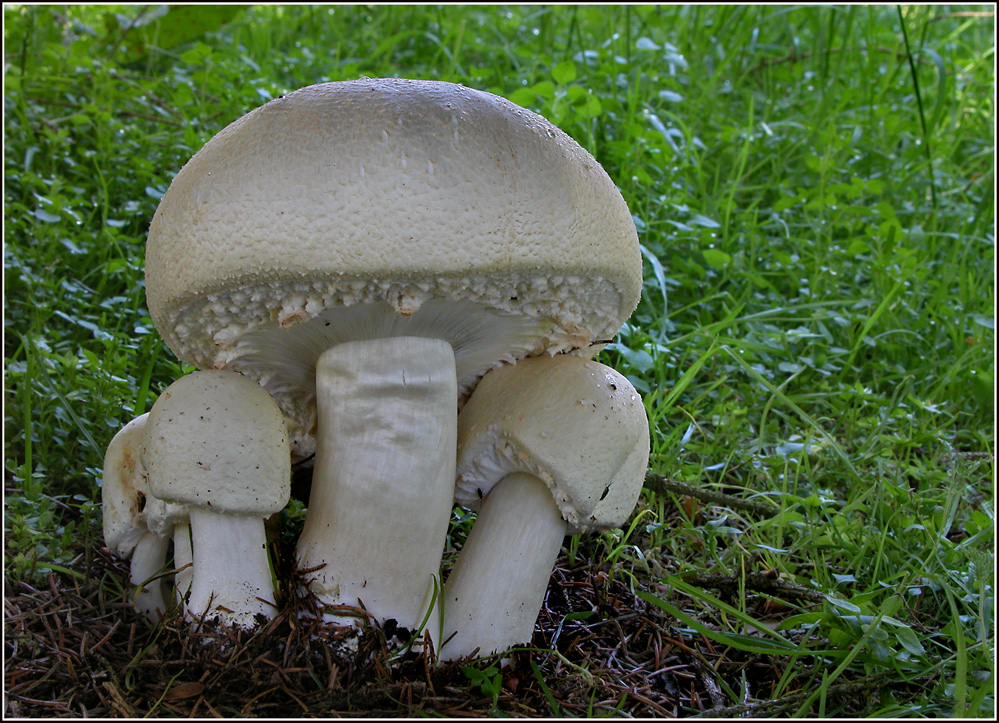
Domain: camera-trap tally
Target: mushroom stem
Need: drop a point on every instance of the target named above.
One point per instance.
(231, 575)
(183, 561)
(492, 597)
(148, 561)
(383, 482)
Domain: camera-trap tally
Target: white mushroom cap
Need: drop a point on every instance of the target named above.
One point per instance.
(216, 439)
(132, 527)
(393, 192)
(124, 489)
(129, 509)
(576, 424)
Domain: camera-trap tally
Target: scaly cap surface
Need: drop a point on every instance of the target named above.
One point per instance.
(388, 190)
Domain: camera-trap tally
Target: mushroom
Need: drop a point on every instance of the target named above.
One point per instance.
(367, 250)
(215, 442)
(546, 447)
(126, 504)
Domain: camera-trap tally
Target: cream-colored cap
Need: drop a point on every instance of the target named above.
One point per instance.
(395, 191)
(124, 489)
(576, 424)
(129, 508)
(216, 439)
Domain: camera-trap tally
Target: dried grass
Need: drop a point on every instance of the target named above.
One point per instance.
(75, 648)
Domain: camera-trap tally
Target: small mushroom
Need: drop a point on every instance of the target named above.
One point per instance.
(125, 505)
(216, 443)
(367, 250)
(548, 447)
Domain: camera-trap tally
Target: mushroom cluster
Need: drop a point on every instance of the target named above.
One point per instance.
(366, 252)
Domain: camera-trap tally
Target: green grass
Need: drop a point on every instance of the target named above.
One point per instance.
(817, 324)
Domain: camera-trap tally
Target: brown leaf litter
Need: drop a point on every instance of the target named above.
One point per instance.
(74, 647)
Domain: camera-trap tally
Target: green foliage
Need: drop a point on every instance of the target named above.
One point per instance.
(488, 680)
(817, 323)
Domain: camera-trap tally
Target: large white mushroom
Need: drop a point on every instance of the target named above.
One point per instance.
(367, 250)
(548, 447)
(215, 442)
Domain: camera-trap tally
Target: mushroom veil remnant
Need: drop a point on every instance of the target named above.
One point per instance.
(367, 250)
